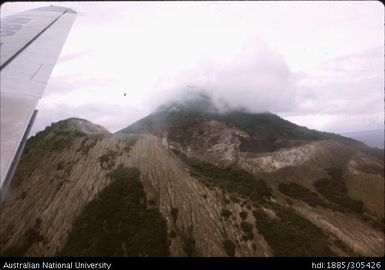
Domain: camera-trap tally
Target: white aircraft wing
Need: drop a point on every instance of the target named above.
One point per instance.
(30, 44)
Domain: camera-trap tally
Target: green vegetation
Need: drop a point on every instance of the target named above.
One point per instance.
(229, 247)
(107, 160)
(229, 179)
(301, 193)
(271, 126)
(174, 214)
(31, 236)
(243, 214)
(62, 139)
(86, 145)
(334, 190)
(266, 125)
(226, 213)
(246, 227)
(201, 108)
(338, 243)
(61, 143)
(171, 115)
(117, 222)
(377, 224)
(69, 133)
(248, 236)
(57, 137)
(189, 247)
(257, 145)
(291, 235)
(129, 145)
(37, 147)
(172, 234)
(60, 166)
(103, 158)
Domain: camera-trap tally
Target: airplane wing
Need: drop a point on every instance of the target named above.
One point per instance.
(30, 44)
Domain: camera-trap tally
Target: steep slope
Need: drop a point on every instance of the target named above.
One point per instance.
(46, 194)
(45, 204)
(301, 180)
(205, 187)
(200, 107)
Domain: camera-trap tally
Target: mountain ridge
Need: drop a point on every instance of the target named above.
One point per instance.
(264, 125)
(214, 187)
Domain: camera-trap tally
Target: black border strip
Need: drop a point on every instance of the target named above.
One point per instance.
(201, 263)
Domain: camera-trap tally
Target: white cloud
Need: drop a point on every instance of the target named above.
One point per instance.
(318, 64)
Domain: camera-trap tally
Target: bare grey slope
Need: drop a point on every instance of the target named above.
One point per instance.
(64, 169)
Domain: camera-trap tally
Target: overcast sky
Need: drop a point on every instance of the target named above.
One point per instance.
(317, 64)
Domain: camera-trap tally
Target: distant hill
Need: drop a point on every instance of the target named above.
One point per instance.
(265, 127)
(373, 138)
(188, 180)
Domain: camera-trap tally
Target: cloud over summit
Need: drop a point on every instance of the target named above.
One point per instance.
(317, 68)
(255, 78)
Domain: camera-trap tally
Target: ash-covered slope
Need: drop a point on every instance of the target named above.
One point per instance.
(78, 195)
(193, 182)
